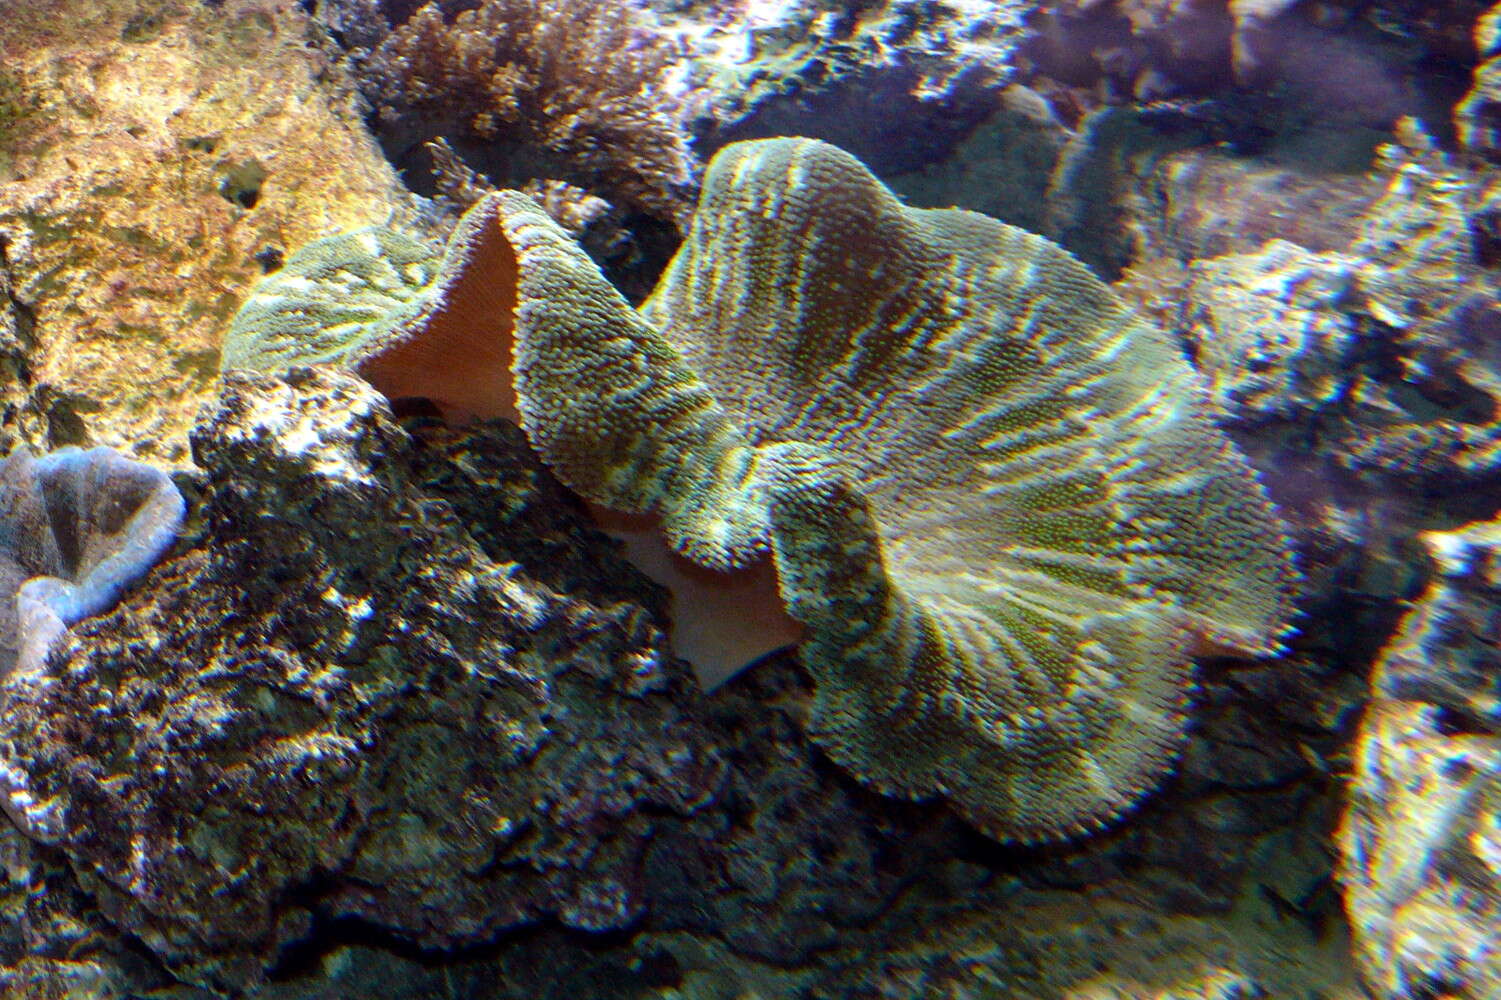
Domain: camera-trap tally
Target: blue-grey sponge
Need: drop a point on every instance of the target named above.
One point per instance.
(77, 528)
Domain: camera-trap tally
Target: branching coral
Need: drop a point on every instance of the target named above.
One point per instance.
(578, 87)
(1000, 519)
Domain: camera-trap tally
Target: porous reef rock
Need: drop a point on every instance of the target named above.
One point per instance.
(795, 880)
(77, 527)
(1362, 380)
(896, 82)
(391, 678)
(1199, 203)
(994, 503)
(155, 158)
(1278, 334)
(1421, 839)
(54, 944)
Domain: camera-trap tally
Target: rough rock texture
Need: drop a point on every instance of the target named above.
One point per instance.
(1435, 237)
(393, 681)
(1345, 62)
(1095, 187)
(1201, 203)
(1421, 844)
(54, 943)
(797, 882)
(1362, 381)
(1137, 182)
(156, 158)
(19, 420)
(898, 83)
(1166, 157)
(794, 856)
(1279, 335)
(1134, 183)
(792, 878)
(1387, 350)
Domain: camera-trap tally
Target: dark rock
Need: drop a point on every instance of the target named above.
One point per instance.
(898, 84)
(360, 694)
(795, 853)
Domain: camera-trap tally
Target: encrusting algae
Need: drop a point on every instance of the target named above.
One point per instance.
(1000, 519)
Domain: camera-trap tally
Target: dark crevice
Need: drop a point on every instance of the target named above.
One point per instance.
(23, 314)
(305, 957)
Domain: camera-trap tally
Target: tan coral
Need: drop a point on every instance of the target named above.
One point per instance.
(993, 497)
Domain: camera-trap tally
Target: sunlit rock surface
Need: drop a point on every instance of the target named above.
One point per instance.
(361, 694)
(156, 158)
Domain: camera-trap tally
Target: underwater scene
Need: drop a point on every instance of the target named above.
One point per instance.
(750, 500)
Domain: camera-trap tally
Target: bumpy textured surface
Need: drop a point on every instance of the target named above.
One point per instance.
(1478, 114)
(796, 882)
(1200, 203)
(54, 945)
(76, 529)
(305, 311)
(536, 89)
(1270, 337)
(390, 678)
(1376, 358)
(991, 492)
(896, 82)
(996, 501)
(169, 153)
(1421, 840)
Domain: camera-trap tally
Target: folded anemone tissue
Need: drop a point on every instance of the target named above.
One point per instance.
(980, 493)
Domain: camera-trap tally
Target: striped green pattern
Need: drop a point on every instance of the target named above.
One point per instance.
(996, 500)
(333, 297)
